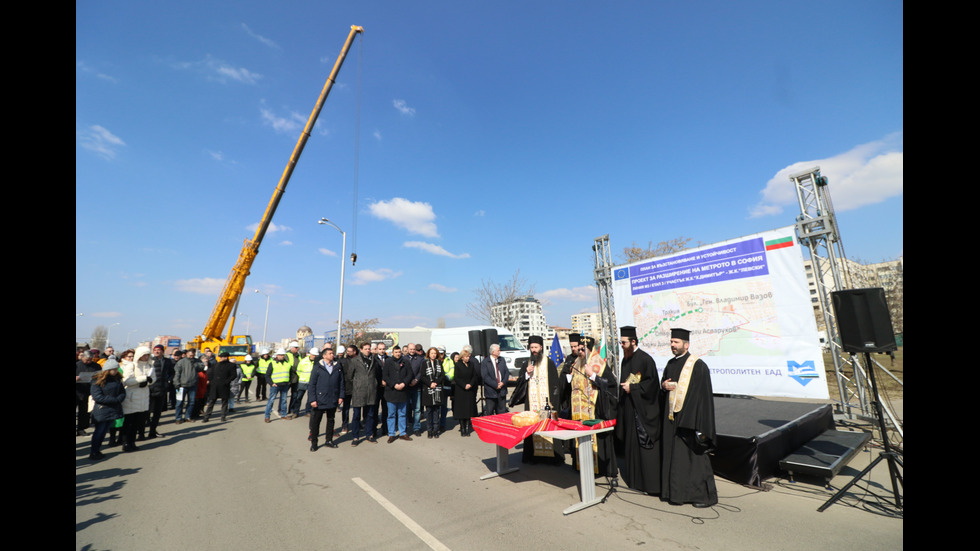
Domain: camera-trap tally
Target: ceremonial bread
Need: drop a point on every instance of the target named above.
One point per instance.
(524, 418)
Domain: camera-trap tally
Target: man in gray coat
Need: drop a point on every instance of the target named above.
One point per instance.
(364, 377)
(185, 381)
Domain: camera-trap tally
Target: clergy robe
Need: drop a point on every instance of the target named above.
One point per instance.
(520, 396)
(686, 473)
(605, 408)
(638, 425)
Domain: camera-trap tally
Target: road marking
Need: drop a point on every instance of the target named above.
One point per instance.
(428, 538)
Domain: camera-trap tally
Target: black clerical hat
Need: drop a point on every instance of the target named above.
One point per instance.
(627, 331)
(682, 334)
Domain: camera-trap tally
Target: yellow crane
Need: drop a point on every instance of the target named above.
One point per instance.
(226, 307)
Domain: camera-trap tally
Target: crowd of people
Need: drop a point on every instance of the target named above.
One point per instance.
(377, 394)
(664, 426)
(124, 396)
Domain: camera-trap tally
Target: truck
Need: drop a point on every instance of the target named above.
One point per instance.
(225, 309)
(453, 339)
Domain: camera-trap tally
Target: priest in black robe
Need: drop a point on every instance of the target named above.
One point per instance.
(596, 402)
(538, 388)
(574, 343)
(688, 427)
(638, 425)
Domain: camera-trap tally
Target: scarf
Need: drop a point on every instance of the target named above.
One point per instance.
(538, 392)
(677, 395)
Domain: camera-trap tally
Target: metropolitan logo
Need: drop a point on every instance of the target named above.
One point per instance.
(802, 373)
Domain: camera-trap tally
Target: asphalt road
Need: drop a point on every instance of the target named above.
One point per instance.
(247, 484)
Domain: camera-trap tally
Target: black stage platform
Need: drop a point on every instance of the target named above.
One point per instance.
(754, 435)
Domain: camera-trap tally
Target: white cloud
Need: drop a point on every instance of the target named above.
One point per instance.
(289, 124)
(363, 277)
(403, 107)
(240, 74)
(416, 217)
(480, 212)
(267, 288)
(100, 141)
(286, 242)
(578, 294)
(272, 227)
(319, 127)
(867, 174)
(327, 252)
(377, 135)
(433, 249)
(268, 42)
(216, 69)
(82, 66)
(442, 288)
(105, 314)
(133, 279)
(200, 286)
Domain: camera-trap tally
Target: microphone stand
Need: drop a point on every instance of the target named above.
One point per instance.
(613, 481)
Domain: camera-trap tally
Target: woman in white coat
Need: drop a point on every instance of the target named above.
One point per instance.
(136, 370)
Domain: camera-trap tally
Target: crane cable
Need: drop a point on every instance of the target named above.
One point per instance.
(357, 144)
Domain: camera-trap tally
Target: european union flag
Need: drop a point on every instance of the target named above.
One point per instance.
(556, 355)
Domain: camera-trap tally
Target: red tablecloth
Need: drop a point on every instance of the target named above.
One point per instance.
(497, 429)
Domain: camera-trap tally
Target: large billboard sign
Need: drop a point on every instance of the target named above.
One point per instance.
(747, 305)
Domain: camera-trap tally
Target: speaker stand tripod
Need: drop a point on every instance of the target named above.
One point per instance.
(894, 461)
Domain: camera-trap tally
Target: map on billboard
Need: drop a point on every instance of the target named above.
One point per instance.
(747, 305)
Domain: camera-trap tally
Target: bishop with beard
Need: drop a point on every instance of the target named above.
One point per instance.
(538, 388)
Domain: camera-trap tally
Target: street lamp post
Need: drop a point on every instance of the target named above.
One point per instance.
(108, 331)
(343, 255)
(266, 327)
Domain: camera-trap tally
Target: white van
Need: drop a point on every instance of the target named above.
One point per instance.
(454, 338)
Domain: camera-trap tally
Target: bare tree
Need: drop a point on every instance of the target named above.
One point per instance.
(892, 279)
(890, 276)
(490, 293)
(635, 252)
(98, 338)
(357, 329)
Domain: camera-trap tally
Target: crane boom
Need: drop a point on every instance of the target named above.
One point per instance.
(235, 284)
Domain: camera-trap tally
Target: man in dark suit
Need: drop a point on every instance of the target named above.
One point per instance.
(494, 371)
(163, 378)
(397, 375)
(326, 393)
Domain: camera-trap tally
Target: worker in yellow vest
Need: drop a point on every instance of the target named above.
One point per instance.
(277, 373)
(248, 371)
(261, 380)
(304, 369)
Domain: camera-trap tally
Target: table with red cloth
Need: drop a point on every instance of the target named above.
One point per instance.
(499, 430)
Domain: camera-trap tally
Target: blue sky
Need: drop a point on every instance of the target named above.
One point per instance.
(493, 136)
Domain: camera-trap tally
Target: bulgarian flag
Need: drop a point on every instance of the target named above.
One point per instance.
(602, 348)
(780, 243)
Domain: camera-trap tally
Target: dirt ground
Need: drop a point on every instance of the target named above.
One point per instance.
(887, 386)
(892, 392)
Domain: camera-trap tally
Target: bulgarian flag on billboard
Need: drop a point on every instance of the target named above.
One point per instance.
(780, 243)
